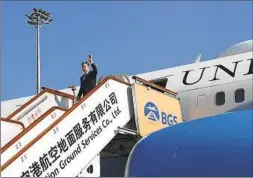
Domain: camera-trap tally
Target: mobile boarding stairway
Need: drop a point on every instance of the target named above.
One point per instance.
(54, 136)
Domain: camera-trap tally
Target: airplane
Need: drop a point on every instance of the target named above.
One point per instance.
(204, 88)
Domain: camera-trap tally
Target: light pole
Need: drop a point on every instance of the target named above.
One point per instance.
(36, 19)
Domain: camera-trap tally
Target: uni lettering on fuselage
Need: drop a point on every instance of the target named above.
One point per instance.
(218, 67)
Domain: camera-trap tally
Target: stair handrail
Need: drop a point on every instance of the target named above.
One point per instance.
(5, 165)
(151, 84)
(13, 121)
(21, 134)
(45, 90)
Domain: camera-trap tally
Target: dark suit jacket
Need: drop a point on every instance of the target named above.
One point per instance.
(88, 81)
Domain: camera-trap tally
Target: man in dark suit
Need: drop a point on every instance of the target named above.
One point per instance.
(88, 79)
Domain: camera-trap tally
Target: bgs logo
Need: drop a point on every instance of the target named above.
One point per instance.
(152, 113)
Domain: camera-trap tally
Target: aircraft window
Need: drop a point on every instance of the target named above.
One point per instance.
(90, 169)
(239, 95)
(220, 98)
(160, 82)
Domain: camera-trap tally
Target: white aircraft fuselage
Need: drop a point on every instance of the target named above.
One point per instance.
(210, 87)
